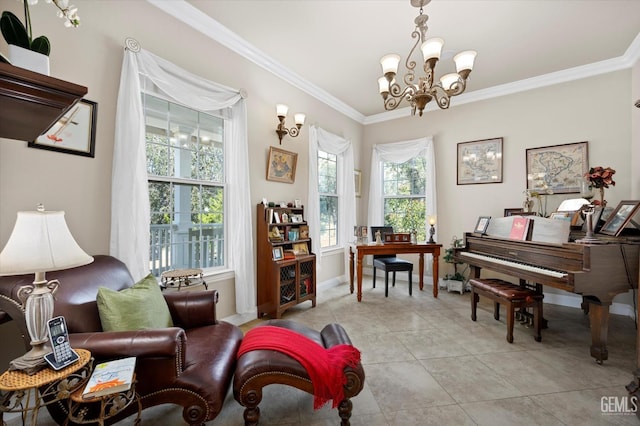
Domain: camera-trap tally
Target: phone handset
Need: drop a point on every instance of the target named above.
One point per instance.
(62, 354)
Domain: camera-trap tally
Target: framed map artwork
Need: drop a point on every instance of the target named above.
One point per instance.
(480, 161)
(557, 169)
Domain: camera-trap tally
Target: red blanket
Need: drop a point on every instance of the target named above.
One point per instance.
(324, 366)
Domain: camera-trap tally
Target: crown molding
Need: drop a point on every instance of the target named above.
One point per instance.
(185, 12)
(199, 21)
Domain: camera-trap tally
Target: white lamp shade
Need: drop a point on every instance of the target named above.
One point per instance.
(432, 48)
(299, 118)
(390, 63)
(464, 60)
(448, 79)
(383, 84)
(281, 110)
(41, 242)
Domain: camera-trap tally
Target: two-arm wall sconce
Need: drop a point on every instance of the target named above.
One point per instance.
(281, 111)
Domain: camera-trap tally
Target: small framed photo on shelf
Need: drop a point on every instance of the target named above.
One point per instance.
(297, 203)
(304, 231)
(300, 248)
(278, 254)
(620, 217)
(296, 218)
(482, 225)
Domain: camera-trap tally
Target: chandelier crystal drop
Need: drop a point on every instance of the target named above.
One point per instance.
(420, 90)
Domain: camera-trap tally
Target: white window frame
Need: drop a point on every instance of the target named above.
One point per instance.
(198, 182)
(338, 196)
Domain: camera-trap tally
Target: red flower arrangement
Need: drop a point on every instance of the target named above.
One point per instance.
(601, 178)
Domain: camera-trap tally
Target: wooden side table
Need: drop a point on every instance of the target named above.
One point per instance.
(23, 393)
(180, 277)
(99, 409)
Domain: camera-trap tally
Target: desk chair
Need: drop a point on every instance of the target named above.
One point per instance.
(389, 263)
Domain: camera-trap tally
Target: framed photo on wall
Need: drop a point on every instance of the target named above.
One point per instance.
(480, 162)
(281, 165)
(357, 176)
(557, 168)
(74, 133)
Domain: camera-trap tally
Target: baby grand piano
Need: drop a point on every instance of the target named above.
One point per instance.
(598, 272)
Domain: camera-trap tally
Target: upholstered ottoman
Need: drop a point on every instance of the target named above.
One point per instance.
(257, 367)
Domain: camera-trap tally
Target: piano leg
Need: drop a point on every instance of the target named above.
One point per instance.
(599, 323)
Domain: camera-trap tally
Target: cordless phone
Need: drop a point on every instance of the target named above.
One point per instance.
(62, 354)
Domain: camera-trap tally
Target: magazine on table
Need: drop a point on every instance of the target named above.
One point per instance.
(110, 377)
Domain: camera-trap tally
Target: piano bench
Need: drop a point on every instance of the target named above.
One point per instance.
(511, 295)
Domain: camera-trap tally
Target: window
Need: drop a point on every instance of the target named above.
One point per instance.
(185, 167)
(329, 203)
(404, 196)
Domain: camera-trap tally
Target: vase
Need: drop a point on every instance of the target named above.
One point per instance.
(603, 203)
(28, 59)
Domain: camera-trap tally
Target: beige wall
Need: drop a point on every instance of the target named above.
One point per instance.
(583, 110)
(91, 55)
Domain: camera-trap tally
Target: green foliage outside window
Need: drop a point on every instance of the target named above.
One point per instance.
(404, 197)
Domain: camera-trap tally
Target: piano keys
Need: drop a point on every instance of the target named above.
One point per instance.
(597, 272)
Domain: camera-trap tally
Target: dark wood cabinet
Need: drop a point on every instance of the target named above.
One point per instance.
(30, 102)
(286, 263)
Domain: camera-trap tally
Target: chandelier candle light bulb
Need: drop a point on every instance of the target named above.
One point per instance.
(420, 93)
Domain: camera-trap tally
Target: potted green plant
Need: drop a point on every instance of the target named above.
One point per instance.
(454, 281)
(25, 51)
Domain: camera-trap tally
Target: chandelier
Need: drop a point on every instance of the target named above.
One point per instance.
(419, 93)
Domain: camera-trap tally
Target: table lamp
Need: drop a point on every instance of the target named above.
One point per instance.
(432, 229)
(40, 242)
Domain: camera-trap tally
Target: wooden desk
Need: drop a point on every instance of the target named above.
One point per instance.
(390, 248)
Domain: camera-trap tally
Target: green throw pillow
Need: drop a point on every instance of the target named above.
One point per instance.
(139, 307)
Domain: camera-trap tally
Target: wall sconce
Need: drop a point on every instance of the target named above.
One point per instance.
(281, 112)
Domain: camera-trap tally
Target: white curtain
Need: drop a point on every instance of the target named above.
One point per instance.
(320, 139)
(400, 152)
(130, 215)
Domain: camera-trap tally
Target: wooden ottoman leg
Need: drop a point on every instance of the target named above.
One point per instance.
(496, 311)
(251, 416)
(474, 303)
(510, 317)
(344, 410)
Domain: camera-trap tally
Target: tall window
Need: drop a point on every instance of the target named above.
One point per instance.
(404, 196)
(185, 167)
(328, 191)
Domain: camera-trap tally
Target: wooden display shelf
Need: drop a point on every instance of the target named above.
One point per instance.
(30, 102)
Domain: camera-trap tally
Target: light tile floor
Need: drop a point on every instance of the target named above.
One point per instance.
(427, 363)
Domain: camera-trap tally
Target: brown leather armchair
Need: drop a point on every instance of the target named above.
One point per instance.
(190, 364)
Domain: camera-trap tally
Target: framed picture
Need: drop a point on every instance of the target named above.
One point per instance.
(278, 254)
(304, 231)
(558, 168)
(74, 133)
(620, 217)
(297, 203)
(512, 212)
(483, 223)
(357, 176)
(300, 248)
(296, 218)
(562, 215)
(480, 161)
(281, 165)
